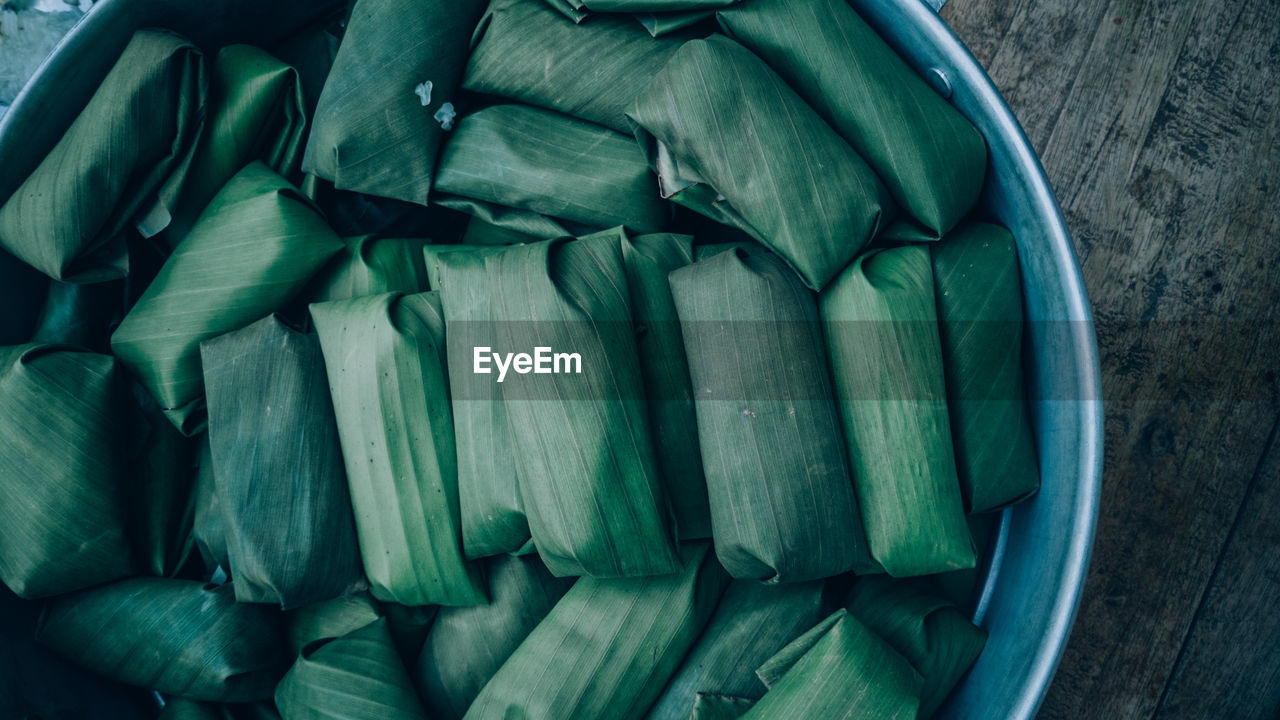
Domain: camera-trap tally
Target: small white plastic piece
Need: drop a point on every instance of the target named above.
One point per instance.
(423, 91)
(445, 116)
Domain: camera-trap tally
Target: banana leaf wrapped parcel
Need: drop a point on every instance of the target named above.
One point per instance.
(493, 513)
(546, 162)
(389, 98)
(525, 51)
(745, 247)
(931, 158)
(608, 647)
(467, 645)
(358, 676)
(729, 139)
(278, 471)
(123, 157)
(572, 9)
(482, 231)
(179, 637)
(163, 492)
(409, 626)
(931, 633)
(330, 619)
(707, 706)
(61, 470)
(648, 260)
(751, 624)
(493, 224)
(660, 24)
(207, 529)
(839, 670)
(637, 6)
(782, 501)
(881, 328)
(583, 449)
(979, 294)
(255, 112)
(384, 355)
(372, 265)
(80, 314)
(255, 246)
(311, 51)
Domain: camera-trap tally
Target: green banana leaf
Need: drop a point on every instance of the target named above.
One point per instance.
(730, 140)
(931, 158)
(782, 502)
(409, 626)
(162, 499)
(466, 646)
(934, 636)
(207, 530)
(254, 247)
(384, 355)
(636, 6)
(330, 619)
(352, 214)
(963, 588)
(524, 50)
(648, 260)
(311, 51)
(882, 337)
(358, 676)
(179, 637)
(183, 709)
(80, 314)
(278, 472)
(582, 445)
(375, 128)
(570, 9)
(979, 294)
(661, 24)
(524, 222)
(552, 164)
(61, 471)
(493, 513)
(255, 111)
(372, 265)
(744, 247)
(840, 670)
(719, 707)
(751, 624)
(482, 232)
(708, 231)
(608, 647)
(124, 156)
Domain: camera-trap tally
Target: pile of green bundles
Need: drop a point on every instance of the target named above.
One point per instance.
(550, 359)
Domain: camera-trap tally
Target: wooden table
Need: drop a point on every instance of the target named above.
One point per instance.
(1159, 126)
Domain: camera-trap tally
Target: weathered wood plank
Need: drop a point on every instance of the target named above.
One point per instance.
(1160, 139)
(1230, 665)
(1035, 57)
(983, 25)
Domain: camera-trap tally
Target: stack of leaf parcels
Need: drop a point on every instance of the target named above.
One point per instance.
(553, 359)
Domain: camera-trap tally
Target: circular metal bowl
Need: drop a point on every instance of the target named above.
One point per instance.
(1037, 568)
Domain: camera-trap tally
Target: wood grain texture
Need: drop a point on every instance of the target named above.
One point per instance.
(1158, 125)
(1230, 665)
